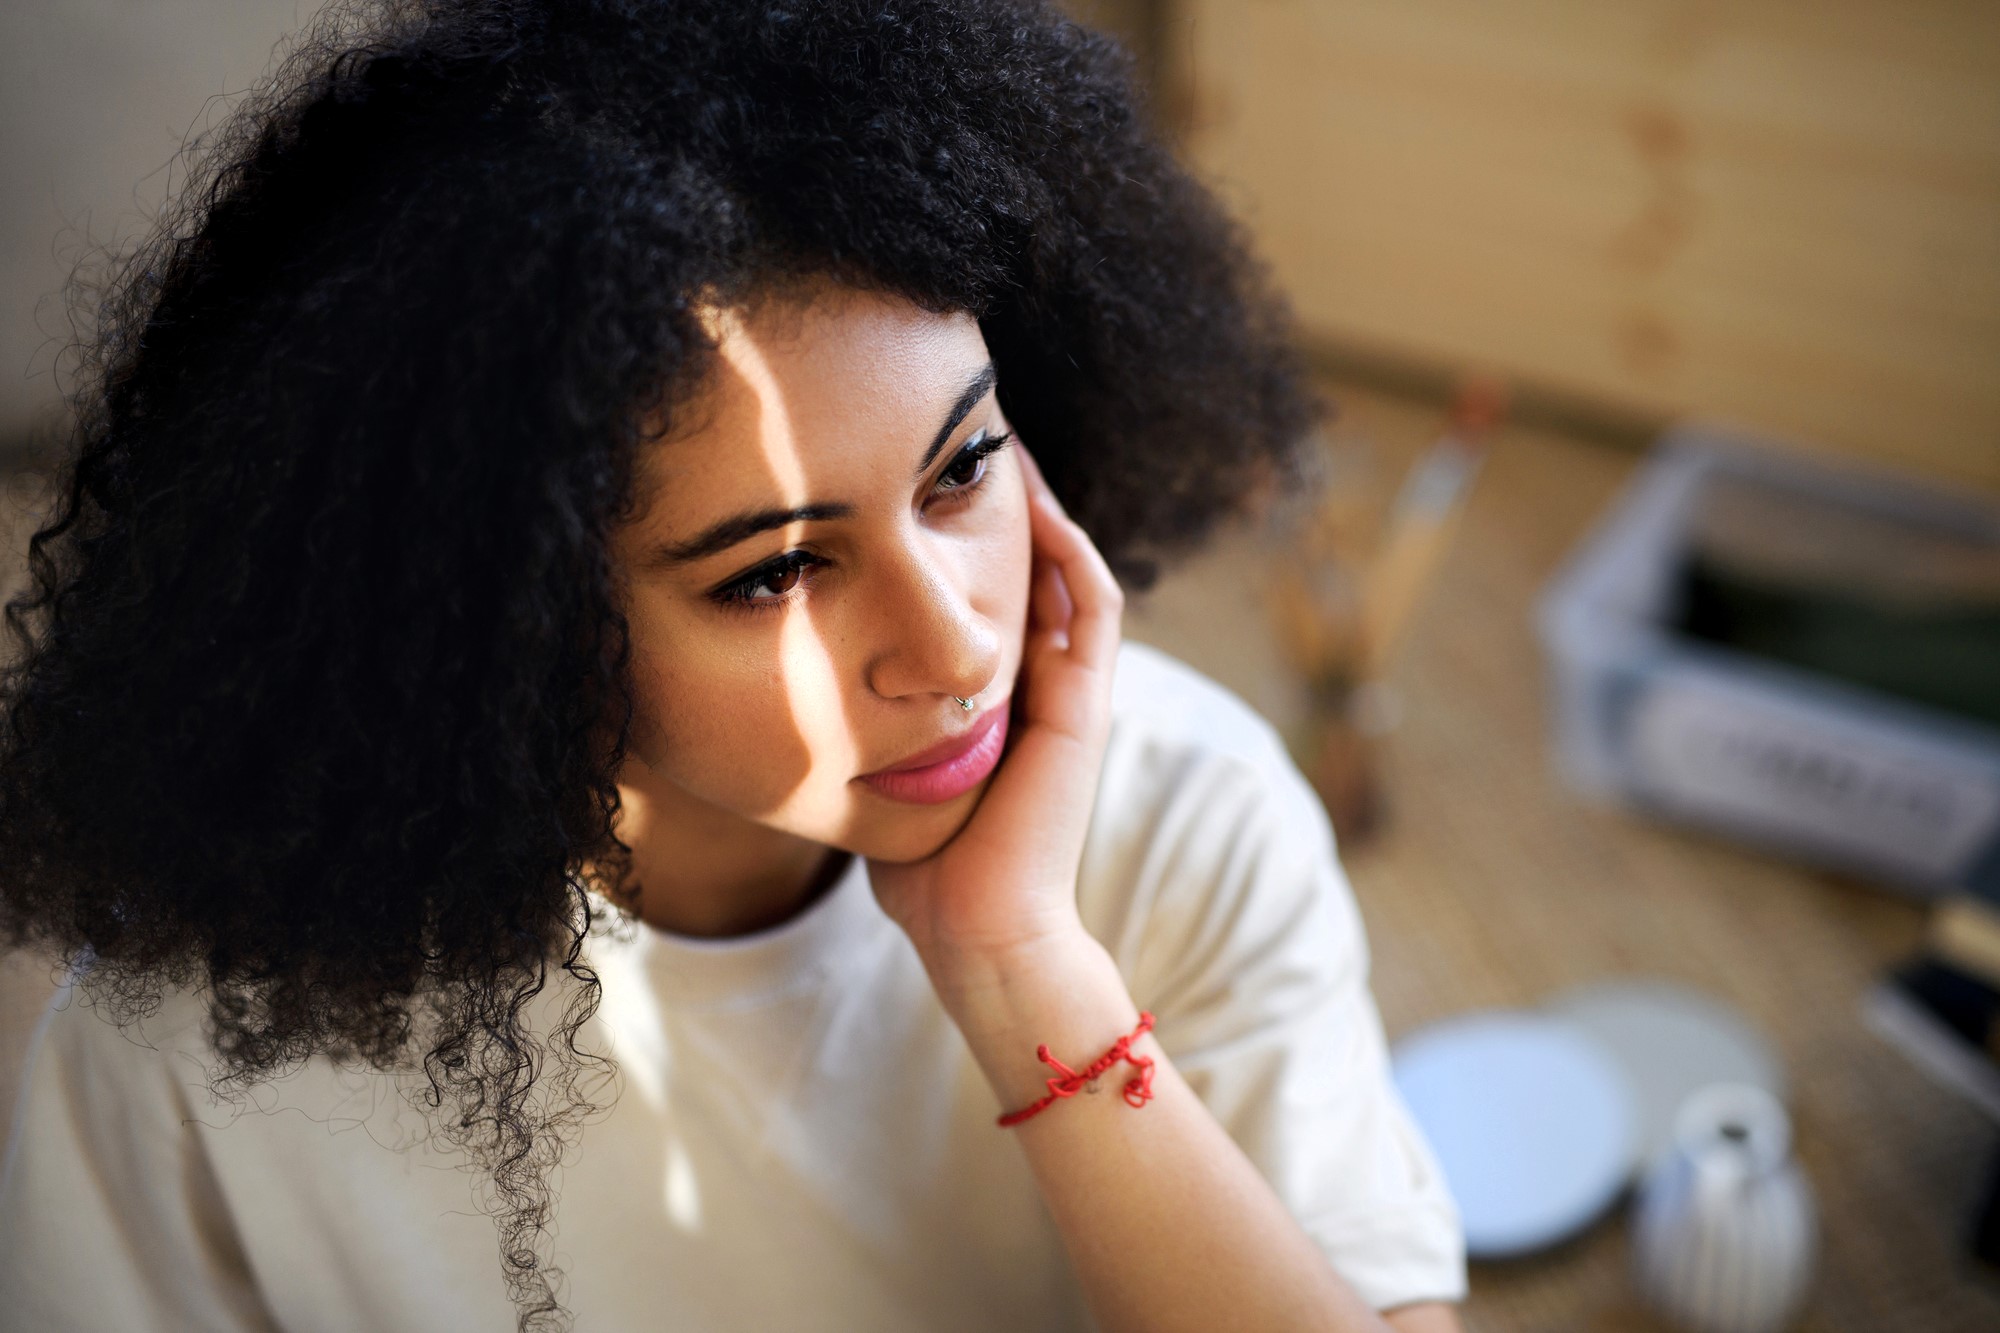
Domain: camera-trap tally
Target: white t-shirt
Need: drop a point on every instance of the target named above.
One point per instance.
(800, 1140)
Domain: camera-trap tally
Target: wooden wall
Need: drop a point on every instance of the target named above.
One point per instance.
(96, 99)
(1785, 214)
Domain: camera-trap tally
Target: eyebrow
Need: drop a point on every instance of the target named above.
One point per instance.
(721, 536)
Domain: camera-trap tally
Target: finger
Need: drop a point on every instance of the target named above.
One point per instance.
(1051, 605)
(1098, 603)
(1050, 608)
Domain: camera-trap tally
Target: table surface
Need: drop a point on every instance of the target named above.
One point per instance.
(1493, 885)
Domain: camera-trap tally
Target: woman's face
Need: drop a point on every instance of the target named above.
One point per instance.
(825, 551)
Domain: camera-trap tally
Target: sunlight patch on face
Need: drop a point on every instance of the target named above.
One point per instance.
(777, 434)
(811, 674)
(807, 665)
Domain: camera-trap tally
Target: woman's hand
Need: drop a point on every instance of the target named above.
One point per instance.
(1004, 888)
(994, 918)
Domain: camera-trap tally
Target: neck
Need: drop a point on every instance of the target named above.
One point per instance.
(706, 874)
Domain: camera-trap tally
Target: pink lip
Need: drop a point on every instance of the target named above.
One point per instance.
(964, 764)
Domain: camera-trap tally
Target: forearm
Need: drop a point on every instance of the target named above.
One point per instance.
(1168, 1225)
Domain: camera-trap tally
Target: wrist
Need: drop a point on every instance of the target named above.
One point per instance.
(1065, 993)
(987, 987)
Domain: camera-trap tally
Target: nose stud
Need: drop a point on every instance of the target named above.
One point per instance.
(966, 704)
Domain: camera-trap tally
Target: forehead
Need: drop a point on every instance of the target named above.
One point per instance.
(799, 382)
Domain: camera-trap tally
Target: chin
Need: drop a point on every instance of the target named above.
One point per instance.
(916, 831)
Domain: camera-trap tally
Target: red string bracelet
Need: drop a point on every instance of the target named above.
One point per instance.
(1138, 1091)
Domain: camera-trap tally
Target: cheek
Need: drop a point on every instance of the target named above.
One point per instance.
(720, 725)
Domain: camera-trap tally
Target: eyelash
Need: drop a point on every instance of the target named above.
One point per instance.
(736, 596)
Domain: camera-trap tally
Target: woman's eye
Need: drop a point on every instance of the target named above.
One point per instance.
(779, 578)
(788, 577)
(967, 471)
(772, 586)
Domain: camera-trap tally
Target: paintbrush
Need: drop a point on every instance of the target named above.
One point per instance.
(1340, 633)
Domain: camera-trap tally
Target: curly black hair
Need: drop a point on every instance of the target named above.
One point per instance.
(319, 691)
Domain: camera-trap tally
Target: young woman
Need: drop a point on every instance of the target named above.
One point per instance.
(575, 683)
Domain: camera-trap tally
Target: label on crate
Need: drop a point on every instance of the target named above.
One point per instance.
(1801, 774)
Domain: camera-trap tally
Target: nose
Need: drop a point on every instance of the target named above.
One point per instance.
(930, 635)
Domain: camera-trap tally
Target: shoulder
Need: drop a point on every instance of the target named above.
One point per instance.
(91, 1040)
(99, 1123)
(1159, 700)
(1207, 844)
(136, 1189)
(134, 1082)
(1181, 742)
(115, 1086)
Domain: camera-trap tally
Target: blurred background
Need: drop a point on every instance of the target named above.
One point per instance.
(1643, 634)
